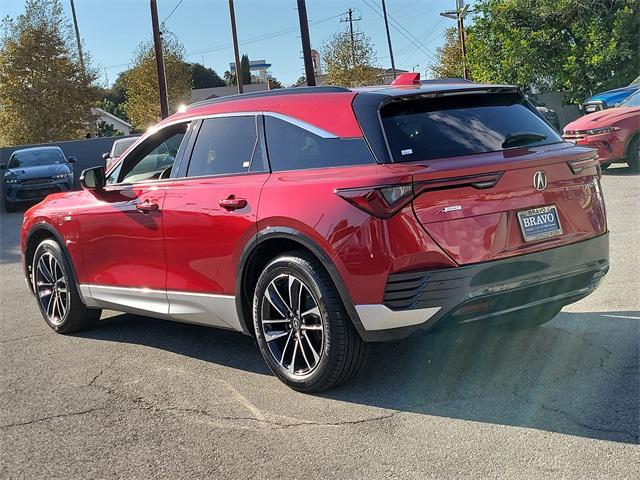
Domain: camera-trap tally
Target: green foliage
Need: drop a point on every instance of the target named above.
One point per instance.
(229, 78)
(579, 47)
(274, 83)
(202, 77)
(142, 103)
(115, 109)
(449, 57)
(348, 64)
(103, 129)
(44, 93)
(245, 70)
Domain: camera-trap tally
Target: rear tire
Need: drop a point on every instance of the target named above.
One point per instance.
(633, 155)
(302, 329)
(56, 292)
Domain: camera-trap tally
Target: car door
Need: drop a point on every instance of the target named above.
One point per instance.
(120, 227)
(210, 214)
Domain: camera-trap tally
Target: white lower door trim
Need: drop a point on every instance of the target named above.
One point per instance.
(190, 307)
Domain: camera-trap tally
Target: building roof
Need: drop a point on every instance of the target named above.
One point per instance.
(112, 117)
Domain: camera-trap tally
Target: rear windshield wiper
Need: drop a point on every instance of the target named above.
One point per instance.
(520, 139)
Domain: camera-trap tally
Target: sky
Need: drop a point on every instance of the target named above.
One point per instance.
(111, 30)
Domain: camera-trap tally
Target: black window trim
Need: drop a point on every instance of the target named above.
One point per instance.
(178, 160)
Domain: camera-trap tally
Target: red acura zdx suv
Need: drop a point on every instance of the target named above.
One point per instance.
(321, 219)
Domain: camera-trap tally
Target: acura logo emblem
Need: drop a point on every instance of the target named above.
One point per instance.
(540, 180)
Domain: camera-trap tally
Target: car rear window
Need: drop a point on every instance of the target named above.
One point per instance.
(457, 125)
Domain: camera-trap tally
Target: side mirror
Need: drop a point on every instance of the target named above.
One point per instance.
(93, 179)
(72, 159)
(106, 156)
(3, 166)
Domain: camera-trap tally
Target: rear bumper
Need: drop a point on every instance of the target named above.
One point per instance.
(419, 300)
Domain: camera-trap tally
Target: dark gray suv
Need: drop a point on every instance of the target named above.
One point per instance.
(33, 173)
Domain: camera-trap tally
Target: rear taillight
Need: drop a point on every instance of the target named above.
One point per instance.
(578, 166)
(384, 201)
(381, 202)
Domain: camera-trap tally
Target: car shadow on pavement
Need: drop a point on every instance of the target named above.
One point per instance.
(577, 375)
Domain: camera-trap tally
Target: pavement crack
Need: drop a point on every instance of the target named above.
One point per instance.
(25, 337)
(101, 372)
(595, 428)
(51, 417)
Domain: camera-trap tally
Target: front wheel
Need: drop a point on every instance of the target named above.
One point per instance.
(56, 291)
(301, 326)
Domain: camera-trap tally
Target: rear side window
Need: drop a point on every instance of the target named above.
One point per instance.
(293, 148)
(225, 146)
(457, 125)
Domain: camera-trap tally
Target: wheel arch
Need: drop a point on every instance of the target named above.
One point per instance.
(267, 245)
(632, 138)
(36, 235)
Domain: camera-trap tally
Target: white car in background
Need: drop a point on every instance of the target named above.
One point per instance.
(118, 148)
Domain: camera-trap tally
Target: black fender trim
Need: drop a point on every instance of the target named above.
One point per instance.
(296, 236)
(45, 226)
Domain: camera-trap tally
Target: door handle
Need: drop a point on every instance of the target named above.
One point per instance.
(232, 203)
(147, 206)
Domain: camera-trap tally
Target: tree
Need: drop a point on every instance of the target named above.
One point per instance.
(229, 78)
(576, 46)
(202, 77)
(45, 95)
(274, 83)
(448, 57)
(142, 103)
(245, 70)
(348, 64)
(103, 129)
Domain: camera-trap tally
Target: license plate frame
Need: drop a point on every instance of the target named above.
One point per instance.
(535, 231)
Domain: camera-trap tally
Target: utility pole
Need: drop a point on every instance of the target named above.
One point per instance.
(353, 41)
(386, 26)
(306, 44)
(236, 52)
(458, 14)
(75, 24)
(157, 44)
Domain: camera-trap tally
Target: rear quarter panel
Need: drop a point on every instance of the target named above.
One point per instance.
(364, 249)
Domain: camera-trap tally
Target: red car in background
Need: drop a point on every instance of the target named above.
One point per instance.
(320, 219)
(614, 132)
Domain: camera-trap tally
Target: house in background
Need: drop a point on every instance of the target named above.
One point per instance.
(111, 120)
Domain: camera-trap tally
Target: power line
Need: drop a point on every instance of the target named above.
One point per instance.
(402, 30)
(174, 9)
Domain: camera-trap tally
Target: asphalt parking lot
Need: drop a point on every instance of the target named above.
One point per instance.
(145, 398)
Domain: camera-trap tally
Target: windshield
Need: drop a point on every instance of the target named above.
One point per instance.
(631, 101)
(31, 158)
(459, 125)
(121, 145)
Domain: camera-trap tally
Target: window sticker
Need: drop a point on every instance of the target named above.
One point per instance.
(406, 151)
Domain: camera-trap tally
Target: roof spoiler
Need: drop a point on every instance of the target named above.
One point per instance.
(412, 78)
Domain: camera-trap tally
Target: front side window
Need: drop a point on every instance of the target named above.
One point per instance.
(151, 160)
(293, 148)
(428, 129)
(225, 146)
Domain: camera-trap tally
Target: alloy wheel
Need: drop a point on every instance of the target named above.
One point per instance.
(51, 288)
(292, 325)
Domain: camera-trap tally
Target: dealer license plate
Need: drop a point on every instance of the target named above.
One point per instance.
(539, 223)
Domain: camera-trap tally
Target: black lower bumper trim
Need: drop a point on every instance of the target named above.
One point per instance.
(558, 276)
